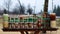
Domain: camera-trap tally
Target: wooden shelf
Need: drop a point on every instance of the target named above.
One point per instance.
(50, 29)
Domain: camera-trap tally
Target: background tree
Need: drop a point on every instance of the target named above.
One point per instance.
(15, 11)
(21, 8)
(40, 12)
(57, 10)
(7, 4)
(29, 10)
(5, 12)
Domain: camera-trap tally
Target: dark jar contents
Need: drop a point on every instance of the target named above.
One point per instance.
(53, 16)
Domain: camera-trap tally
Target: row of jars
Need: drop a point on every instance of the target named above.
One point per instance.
(23, 25)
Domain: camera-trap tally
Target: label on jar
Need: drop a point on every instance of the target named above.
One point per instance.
(53, 24)
(5, 24)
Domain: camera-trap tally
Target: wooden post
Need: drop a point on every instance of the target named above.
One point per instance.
(22, 32)
(46, 6)
(45, 9)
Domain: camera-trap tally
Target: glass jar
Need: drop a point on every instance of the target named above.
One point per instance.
(53, 16)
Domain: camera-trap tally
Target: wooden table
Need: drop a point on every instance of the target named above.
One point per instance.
(26, 30)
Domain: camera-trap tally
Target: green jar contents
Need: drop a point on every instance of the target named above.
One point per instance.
(16, 20)
(25, 20)
(12, 20)
(34, 20)
(8, 19)
(5, 17)
(21, 20)
(30, 19)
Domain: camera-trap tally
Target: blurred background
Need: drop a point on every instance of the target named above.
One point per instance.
(23, 6)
